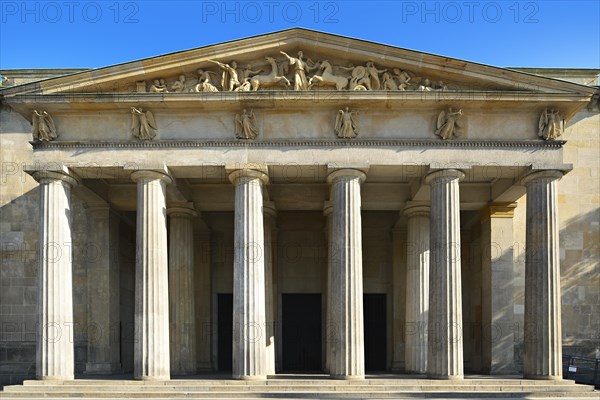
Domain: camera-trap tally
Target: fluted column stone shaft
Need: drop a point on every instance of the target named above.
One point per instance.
(182, 331)
(151, 347)
(269, 213)
(55, 347)
(445, 339)
(346, 285)
(328, 213)
(249, 315)
(543, 341)
(417, 286)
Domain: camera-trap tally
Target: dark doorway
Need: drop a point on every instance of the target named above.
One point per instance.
(225, 331)
(301, 332)
(375, 332)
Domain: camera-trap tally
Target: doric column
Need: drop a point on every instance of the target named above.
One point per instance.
(55, 350)
(269, 213)
(497, 265)
(181, 289)
(249, 342)
(346, 285)
(104, 341)
(328, 213)
(542, 347)
(417, 286)
(445, 341)
(151, 347)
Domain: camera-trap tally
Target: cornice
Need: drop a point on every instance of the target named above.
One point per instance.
(287, 143)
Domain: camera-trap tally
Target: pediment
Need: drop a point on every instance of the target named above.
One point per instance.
(339, 63)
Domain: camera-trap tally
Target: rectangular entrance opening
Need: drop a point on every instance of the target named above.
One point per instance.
(375, 331)
(301, 332)
(225, 331)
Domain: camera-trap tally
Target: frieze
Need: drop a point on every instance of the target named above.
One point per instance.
(293, 72)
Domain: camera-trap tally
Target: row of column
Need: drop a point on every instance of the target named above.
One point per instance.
(433, 279)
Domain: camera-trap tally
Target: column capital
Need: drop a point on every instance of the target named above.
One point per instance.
(549, 174)
(236, 176)
(346, 173)
(151, 174)
(416, 209)
(181, 210)
(269, 209)
(446, 174)
(498, 210)
(53, 173)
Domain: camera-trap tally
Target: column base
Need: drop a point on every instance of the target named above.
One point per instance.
(56, 378)
(153, 378)
(446, 377)
(544, 377)
(250, 377)
(348, 377)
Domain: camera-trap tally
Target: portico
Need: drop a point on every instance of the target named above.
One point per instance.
(282, 230)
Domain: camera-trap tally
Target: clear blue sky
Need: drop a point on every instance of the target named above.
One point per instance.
(91, 34)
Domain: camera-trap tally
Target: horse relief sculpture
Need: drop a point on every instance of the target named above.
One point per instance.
(143, 125)
(292, 73)
(550, 125)
(246, 126)
(450, 124)
(346, 124)
(43, 126)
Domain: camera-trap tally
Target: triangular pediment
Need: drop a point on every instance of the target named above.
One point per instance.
(340, 63)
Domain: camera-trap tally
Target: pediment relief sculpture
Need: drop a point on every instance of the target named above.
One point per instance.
(246, 126)
(293, 73)
(143, 124)
(346, 124)
(43, 128)
(450, 123)
(550, 125)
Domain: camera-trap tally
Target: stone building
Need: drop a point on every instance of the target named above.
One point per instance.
(298, 201)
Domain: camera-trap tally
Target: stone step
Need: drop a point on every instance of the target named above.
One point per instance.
(302, 395)
(271, 388)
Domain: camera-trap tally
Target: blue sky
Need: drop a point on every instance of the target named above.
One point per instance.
(91, 34)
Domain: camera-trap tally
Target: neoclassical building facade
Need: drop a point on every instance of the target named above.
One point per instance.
(298, 202)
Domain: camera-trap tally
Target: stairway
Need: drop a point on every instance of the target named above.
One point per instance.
(302, 387)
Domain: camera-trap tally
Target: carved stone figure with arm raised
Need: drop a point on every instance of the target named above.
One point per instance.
(450, 123)
(143, 125)
(229, 80)
(44, 129)
(204, 83)
(300, 69)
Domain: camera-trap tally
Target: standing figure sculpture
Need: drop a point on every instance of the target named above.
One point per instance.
(550, 125)
(43, 126)
(143, 125)
(374, 75)
(245, 125)
(450, 123)
(300, 69)
(403, 78)
(346, 124)
(229, 79)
